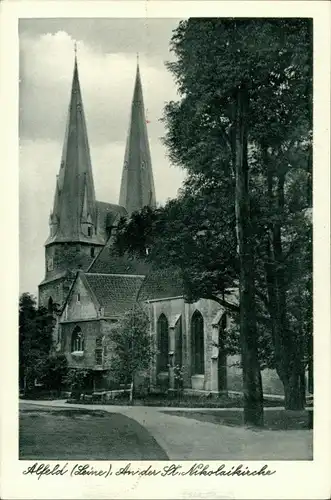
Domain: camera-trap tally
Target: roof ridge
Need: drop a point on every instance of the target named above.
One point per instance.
(110, 203)
(114, 274)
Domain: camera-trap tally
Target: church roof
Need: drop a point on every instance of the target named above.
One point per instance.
(74, 200)
(137, 185)
(109, 261)
(161, 284)
(115, 293)
(107, 215)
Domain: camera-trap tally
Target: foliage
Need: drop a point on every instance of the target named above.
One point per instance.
(179, 371)
(35, 339)
(267, 65)
(198, 242)
(76, 378)
(55, 371)
(132, 349)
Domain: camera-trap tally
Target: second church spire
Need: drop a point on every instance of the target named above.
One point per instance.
(137, 186)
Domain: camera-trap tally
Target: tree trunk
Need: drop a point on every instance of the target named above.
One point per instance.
(310, 366)
(288, 354)
(252, 383)
(294, 388)
(131, 391)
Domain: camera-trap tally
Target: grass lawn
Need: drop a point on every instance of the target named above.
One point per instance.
(183, 401)
(273, 419)
(76, 434)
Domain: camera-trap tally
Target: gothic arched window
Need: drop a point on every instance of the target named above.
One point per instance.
(77, 340)
(50, 305)
(163, 343)
(198, 348)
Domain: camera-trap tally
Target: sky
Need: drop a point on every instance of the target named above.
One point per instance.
(107, 54)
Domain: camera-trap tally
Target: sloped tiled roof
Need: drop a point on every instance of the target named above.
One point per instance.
(162, 283)
(116, 293)
(107, 214)
(108, 261)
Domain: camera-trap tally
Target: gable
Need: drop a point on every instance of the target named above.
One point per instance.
(80, 303)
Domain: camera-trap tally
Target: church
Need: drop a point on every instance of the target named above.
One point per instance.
(94, 286)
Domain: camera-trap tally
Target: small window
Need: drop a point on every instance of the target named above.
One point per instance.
(92, 252)
(89, 231)
(98, 356)
(78, 297)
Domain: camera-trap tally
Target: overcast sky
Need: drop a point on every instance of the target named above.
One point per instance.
(107, 51)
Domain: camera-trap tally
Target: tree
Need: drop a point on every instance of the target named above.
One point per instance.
(35, 339)
(242, 128)
(247, 83)
(55, 371)
(132, 348)
(77, 379)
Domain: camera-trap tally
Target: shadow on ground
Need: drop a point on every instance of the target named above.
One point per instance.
(274, 420)
(76, 434)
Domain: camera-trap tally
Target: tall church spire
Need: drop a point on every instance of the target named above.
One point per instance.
(74, 216)
(137, 186)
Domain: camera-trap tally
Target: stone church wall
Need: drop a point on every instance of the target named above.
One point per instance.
(60, 257)
(90, 329)
(56, 289)
(171, 308)
(271, 383)
(208, 309)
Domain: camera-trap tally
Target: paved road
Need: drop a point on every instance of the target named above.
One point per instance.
(189, 439)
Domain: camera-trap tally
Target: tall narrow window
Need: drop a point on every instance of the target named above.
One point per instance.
(89, 231)
(92, 252)
(50, 305)
(98, 351)
(198, 349)
(77, 340)
(179, 342)
(163, 343)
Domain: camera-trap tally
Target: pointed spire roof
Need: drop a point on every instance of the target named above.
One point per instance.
(74, 200)
(137, 186)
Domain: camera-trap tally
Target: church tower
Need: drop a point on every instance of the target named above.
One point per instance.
(74, 236)
(137, 186)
